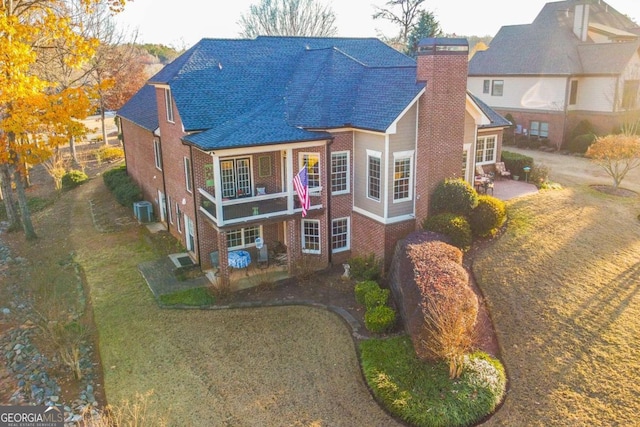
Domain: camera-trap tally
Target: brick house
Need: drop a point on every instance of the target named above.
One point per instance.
(215, 138)
(578, 60)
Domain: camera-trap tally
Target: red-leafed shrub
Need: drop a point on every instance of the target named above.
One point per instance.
(442, 325)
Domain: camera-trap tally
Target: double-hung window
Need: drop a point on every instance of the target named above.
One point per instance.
(340, 235)
(340, 172)
(168, 102)
(486, 86)
(573, 94)
(486, 150)
(374, 174)
(402, 167)
(539, 129)
(311, 236)
(243, 237)
(497, 87)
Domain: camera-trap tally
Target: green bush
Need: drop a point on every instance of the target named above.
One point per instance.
(422, 394)
(581, 143)
(584, 127)
(365, 267)
(487, 218)
(363, 288)
(122, 186)
(379, 319)
(73, 178)
(455, 196)
(456, 227)
(514, 162)
(376, 297)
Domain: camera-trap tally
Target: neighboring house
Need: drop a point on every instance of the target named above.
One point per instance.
(578, 60)
(215, 139)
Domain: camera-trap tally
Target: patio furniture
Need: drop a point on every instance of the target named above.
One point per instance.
(501, 170)
(239, 259)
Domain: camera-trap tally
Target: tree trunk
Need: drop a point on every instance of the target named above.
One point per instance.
(9, 203)
(27, 225)
(72, 148)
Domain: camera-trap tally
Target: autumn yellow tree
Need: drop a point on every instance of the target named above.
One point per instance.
(616, 154)
(36, 114)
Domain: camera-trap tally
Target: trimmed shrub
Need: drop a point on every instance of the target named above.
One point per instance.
(455, 196)
(363, 288)
(581, 143)
(109, 154)
(584, 127)
(380, 319)
(456, 227)
(365, 268)
(514, 162)
(376, 297)
(72, 179)
(122, 186)
(487, 218)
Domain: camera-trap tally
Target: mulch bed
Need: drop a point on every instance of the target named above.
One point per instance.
(620, 192)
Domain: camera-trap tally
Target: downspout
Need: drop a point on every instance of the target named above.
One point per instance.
(195, 207)
(327, 155)
(164, 188)
(567, 95)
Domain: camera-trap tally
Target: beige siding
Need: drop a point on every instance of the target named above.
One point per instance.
(363, 142)
(595, 94)
(469, 129)
(535, 93)
(403, 140)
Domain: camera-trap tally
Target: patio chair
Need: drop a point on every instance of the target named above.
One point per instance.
(263, 256)
(480, 172)
(501, 170)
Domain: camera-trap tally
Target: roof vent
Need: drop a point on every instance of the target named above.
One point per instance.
(220, 65)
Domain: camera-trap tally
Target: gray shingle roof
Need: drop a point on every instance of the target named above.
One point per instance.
(142, 109)
(270, 89)
(548, 46)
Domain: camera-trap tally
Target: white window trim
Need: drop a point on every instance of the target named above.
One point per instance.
(190, 232)
(348, 245)
(188, 175)
(168, 101)
(310, 251)
(301, 163)
(375, 154)
(401, 155)
(493, 86)
(348, 190)
(157, 153)
(244, 244)
(495, 149)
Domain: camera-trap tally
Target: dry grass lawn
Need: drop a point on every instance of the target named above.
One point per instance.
(292, 366)
(562, 285)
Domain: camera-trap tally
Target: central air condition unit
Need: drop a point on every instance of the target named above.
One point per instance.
(143, 211)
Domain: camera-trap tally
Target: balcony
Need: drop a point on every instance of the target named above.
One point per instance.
(245, 209)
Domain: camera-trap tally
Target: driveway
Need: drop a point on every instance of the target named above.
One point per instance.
(576, 170)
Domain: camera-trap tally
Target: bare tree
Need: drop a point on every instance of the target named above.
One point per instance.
(288, 18)
(406, 18)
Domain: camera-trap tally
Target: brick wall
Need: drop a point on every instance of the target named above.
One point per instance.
(173, 153)
(140, 161)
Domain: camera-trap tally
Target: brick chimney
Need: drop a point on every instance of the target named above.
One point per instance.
(442, 66)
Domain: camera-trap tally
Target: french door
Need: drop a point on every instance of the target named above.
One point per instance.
(236, 177)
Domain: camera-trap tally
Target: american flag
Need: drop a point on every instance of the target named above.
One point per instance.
(301, 184)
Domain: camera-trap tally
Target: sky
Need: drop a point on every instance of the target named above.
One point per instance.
(181, 24)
